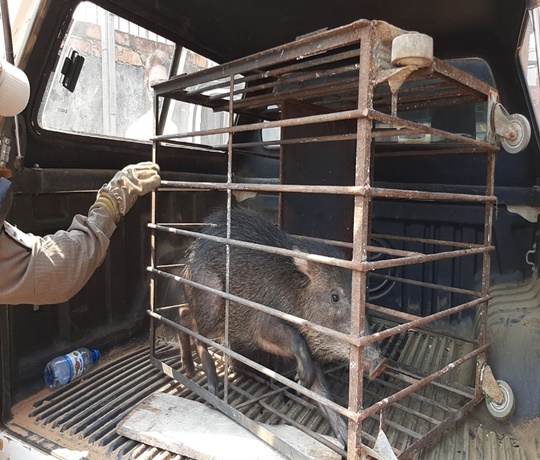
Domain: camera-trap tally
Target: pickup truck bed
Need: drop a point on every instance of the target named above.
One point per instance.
(83, 416)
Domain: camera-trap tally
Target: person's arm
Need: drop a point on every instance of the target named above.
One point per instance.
(54, 268)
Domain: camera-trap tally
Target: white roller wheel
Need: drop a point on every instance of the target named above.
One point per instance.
(502, 412)
(412, 49)
(523, 128)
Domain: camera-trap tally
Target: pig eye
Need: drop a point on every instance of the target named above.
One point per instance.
(335, 298)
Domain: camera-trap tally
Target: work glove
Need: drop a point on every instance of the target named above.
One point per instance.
(120, 194)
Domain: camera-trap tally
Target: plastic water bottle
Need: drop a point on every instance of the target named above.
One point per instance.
(64, 369)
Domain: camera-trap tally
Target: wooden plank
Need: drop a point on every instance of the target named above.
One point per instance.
(192, 429)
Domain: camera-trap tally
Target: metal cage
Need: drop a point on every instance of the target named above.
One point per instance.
(332, 88)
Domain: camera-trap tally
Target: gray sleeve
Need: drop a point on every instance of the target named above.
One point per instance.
(52, 269)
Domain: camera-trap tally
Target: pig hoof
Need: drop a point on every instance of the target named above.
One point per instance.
(189, 370)
(378, 369)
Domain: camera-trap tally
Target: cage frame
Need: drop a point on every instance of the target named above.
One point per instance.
(374, 40)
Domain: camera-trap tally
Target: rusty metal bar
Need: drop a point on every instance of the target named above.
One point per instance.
(433, 152)
(360, 239)
(258, 367)
(409, 375)
(439, 287)
(447, 97)
(444, 150)
(256, 428)
(410, 239)
(413, 195)
(417, 396)
(298, 140)
(433, 103)
(396, 121)
(411, 260)
(486, 264)
(261, 247)
(421, 383)
(325, 88)
(430, 437)
(362, 266)
(377, 336)
(399, 238)
(153, 247)
(290, 421)
(457, 76)
(428, 196)
(375, 249)
(273, 73)
(390, 312)
(391, 132)
(228, 236)
(260, 307)
(300, 78)
(299, 121)
(408, 410)
(304, 47)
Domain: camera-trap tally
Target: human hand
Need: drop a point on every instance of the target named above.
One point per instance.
(121, 193)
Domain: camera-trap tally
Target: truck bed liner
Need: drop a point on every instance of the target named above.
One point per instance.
(83, 415)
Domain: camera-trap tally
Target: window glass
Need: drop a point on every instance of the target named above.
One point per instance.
(117, 62)
(528, 56)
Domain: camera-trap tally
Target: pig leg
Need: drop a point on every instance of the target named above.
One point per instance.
(336, 421)
(185, 342)
(208, 366)
(283, 340)
(206, 310)
(206, 361)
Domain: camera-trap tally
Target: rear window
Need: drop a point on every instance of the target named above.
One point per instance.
(102, 83)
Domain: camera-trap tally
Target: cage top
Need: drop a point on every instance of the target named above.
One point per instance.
(325, 70)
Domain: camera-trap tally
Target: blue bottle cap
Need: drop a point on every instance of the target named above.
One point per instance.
(95, 355)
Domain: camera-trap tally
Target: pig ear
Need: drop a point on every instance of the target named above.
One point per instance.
(302, 264)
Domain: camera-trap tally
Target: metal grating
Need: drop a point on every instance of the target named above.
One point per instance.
(83, 415)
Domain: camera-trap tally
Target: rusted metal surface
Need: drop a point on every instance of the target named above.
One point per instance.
(490, 387)
(333, 190)
(339, 78)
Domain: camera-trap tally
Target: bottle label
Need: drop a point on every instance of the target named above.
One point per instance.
(76, 364)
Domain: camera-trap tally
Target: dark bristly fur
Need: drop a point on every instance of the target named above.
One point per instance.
(313, 291)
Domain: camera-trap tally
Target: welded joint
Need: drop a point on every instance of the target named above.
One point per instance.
(489, 385)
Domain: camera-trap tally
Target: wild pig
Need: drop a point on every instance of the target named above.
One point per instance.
(313, 291)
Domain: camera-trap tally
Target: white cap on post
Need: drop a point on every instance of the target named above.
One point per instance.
(14, 90)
